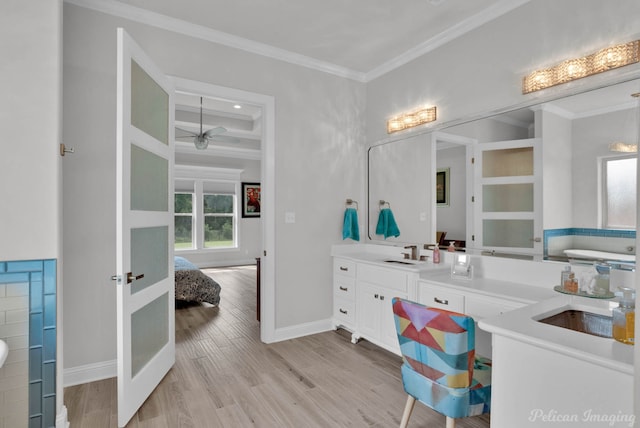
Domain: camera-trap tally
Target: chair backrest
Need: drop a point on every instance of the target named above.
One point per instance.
(436, 343)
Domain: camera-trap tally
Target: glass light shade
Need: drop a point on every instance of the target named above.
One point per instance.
(201, 142)
(409, 120)
(572, 69)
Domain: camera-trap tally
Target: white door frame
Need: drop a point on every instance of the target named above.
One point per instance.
(267, 194)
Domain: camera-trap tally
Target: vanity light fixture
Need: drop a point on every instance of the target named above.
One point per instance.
(621, 147)
(604, 60)
(409, 120)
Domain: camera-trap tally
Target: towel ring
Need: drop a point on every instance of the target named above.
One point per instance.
(383, 203)
(351, 202)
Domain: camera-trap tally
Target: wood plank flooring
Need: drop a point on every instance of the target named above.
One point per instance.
(225, 377)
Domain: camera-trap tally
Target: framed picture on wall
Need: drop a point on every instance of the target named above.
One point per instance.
(250, 199)
(442, 187)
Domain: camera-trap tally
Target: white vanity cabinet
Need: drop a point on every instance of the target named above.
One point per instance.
(344, 293)
(375, 289)
(362, 297)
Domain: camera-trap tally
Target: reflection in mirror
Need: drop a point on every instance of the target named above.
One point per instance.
(573, 136)
(398, 174)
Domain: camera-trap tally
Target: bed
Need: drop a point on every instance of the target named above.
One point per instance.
(192, 285)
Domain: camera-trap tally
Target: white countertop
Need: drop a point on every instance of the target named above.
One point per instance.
(491, 287)
(380, 256)
(520, 324)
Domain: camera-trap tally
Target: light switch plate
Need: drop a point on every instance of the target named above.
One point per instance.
(290, 217)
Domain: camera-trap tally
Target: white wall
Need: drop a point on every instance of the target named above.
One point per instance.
(30, 123)
(319, 160)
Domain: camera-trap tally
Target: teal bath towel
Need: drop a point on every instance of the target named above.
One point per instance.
(387, 224)
(350, 226)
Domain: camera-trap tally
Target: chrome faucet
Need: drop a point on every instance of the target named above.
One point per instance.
(414, 251)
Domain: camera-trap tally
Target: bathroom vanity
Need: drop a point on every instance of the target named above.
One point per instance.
(558, 374)
(541, 372)
(365, 279)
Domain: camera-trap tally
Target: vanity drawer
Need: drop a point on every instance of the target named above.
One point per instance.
(479, 308)
(344, 288)
(436, 297)
(387, 278)
(344, 267)
(344, 311)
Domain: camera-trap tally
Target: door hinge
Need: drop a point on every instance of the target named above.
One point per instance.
(473, 237)
(473, 160)
(264, 253)
(473, 199)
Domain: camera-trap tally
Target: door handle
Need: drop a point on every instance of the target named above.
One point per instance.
(131, 277)
(536, 239)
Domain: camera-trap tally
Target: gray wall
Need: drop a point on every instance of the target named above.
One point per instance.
(319, 160)
(482, 70)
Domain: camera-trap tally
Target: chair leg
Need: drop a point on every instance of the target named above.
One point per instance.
(408, 408)
(451, 423)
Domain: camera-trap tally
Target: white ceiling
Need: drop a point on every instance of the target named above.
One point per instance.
(360, 39)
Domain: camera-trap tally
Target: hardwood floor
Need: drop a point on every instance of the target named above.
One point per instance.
(225, 377)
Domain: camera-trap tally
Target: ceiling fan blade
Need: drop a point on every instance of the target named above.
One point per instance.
(215, 131)
(189, 133)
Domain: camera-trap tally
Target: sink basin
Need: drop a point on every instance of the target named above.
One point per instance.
(4, 351)
(584, 322)
(400, 262)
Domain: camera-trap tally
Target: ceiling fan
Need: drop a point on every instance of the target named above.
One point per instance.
(201, 140)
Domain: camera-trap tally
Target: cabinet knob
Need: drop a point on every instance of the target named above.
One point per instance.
(375, 296)
(441, 301)
(381, 297)
(344, 288)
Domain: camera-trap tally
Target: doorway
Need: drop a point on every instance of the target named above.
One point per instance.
(265, 105)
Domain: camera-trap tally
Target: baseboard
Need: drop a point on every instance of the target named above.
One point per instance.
(61, 418)
(301, 330)
(90, 373)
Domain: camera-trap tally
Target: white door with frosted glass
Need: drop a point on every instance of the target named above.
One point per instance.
(145, 273)
(508, 196)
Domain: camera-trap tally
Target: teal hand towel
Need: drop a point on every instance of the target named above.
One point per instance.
(387, 224)
(350, 225)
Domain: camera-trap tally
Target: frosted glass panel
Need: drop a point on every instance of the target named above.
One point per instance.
(149, 255)
(507, 197)
(149, 105)
(149, 181)
(507, 162)
(621, 193)
(507, 233)
(149, 332)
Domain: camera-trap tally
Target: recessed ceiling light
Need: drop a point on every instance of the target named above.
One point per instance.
(237, 106)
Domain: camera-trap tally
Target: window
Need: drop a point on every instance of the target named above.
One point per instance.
(218, 220)
(619, 192)
(205, 214)
(183, 210)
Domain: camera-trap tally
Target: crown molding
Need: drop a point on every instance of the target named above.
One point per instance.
(446, 36)
(179, 26)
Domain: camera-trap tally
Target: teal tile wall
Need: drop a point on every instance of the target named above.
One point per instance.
(41, 276)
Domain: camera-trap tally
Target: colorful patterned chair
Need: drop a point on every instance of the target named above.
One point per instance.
(440, 368)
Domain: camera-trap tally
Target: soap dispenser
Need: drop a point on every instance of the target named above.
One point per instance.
(436, 254)
(624, 317)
